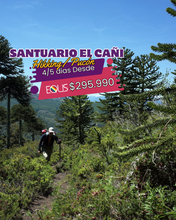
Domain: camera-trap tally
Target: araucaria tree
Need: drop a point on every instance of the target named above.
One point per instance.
(168, 50)
(146, 78)
(158, 145)
(12, 83)
(75, 116)
(139, 75)
(3, 121)
(112, 102)
(27, 114)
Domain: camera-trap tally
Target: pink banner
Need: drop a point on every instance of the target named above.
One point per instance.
(105, 82)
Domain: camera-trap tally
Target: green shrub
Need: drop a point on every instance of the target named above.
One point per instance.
(22, 177)
(9, 206)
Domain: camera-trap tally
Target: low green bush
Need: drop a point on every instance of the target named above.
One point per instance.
(21, 178)
(9, 206)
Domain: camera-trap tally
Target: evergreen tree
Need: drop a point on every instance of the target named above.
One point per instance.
(3, 121)
(34, 126)
(75, 116)
(168, 53)
(109, 106)
(3, 116)
(169, 110)
(112, 101)
(12, 83)
(14, 135)
(158, 145)
(168, 50)
(27, 114)
(139, 75)
(66, 121)
(146, 76)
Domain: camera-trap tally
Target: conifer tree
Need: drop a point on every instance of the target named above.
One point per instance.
(75, 116)
(155, 148)
(168, 50)
(66, 121)
(154, 141)
(3, 121)
(139, 75)
(168, 53)
(109, 106)
(14, 135)
(145, 143)
(112, 101)
(146, 76)
(3, 116)
(12, 83)
(34, 126)
(27, 114)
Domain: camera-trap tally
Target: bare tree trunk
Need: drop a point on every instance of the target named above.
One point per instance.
(60, 152)
(33, 137)
(79, 122)
(8, 120)
(20, 126)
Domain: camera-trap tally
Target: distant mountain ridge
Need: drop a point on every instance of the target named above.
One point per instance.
(46, 109)
(35, 97)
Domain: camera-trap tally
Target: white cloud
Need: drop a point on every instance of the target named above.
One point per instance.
(99, 29)
(24, 5)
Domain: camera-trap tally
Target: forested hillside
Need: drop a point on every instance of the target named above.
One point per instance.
(46, 109)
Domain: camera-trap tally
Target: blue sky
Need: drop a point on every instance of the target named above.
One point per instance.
(136, 25)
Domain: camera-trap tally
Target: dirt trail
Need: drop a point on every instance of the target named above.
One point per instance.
(46, 201)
